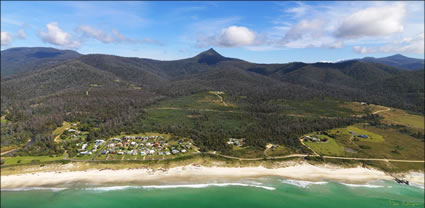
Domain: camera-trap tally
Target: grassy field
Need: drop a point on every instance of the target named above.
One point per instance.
(392, 116)
(60, 130)
(315, 107)
(383, 143)
(278, 151)
(331, 147)
(372, 136)
(205, 100)
(246, 152)
(29, 159)
(397, 116)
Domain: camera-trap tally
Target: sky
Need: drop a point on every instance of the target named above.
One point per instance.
(261, 32)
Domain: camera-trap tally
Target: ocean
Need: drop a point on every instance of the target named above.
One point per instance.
(256, 193)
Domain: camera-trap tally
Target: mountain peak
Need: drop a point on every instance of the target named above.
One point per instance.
(210, 57)
(210, 52)
(398, 56)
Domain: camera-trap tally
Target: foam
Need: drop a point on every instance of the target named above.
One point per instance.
(364, 185)
(35, 189)
(303, 184)
(113, 188)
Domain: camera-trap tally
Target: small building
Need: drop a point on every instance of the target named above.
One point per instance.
(167, 153)
(143, 153)
(84, 146)
(99, 141)
(174, 151)
(183, 150)
(364, 136)
(86, 153)
(133, 143)
(120, 153)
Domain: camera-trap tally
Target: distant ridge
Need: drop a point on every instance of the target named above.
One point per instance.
(396, 60)
(24, 59)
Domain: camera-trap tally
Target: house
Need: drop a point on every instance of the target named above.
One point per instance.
(133, 143)
(174, 151)
(116, 139)
(111, 145)
(183, 150)
(86, 153)
(105, 152)
(120, 153)
(143, 153)
(151, 152)
(84, 146)
(71, 130)
(119, 144)
(129, 152)
(167, 153)
(99, 141)
(313, 139)
(134, 152)
(160, 153)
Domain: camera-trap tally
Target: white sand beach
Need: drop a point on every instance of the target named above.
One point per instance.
(196, 173)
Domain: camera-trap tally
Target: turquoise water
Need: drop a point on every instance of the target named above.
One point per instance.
(258, 193)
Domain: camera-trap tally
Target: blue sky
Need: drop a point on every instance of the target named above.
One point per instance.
(263, 32)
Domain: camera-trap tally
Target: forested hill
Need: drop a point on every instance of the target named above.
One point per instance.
(42, 87)
(350, 80)
(19, 60)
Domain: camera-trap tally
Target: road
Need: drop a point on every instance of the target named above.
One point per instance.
(29, 143)
(380, 111)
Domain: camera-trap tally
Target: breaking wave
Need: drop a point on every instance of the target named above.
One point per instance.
(303, 184)
(35, 189)
(113, 188)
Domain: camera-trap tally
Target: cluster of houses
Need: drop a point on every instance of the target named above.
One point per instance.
(236, 142)
(138, 145)
(84, 151)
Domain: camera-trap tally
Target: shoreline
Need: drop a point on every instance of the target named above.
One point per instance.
(199, 174)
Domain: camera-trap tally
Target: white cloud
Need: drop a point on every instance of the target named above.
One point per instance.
(407, 45)
(373, 21)
(6, 38)
(231, 36)
(92, 32)
(116, 37)
(235, 36)
(56, 36)
(21, 34)
(313, 28)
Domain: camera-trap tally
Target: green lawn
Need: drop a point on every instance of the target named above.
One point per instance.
(330, 148)
(372, 136)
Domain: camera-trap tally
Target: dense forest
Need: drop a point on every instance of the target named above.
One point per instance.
(110, 94)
